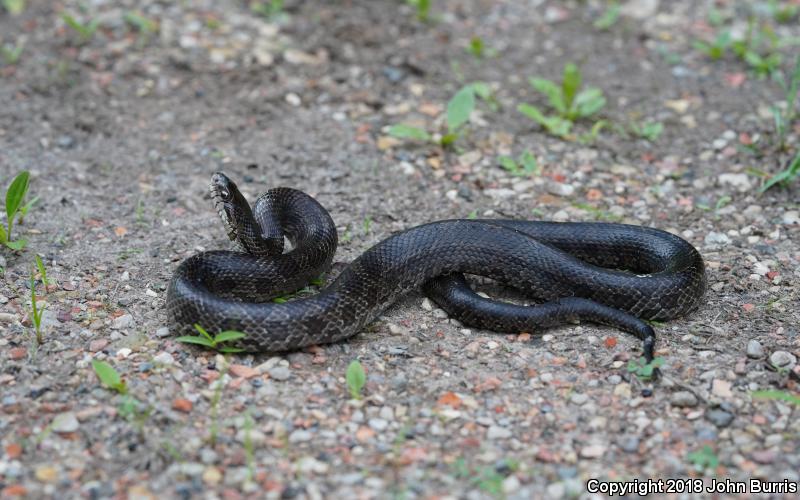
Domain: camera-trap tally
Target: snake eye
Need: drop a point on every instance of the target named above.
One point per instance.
(224, 194)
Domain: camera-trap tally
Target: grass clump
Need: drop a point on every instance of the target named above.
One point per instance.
(85, 30)
(567, 99)
(214, 342)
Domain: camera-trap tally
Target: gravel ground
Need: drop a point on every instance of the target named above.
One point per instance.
(121, 131)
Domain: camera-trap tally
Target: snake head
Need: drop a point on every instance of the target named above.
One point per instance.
(230, 204)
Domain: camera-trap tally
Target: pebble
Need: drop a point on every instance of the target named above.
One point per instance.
(560, 189)
(741, 182)
(164, 358)
(629, 443)
(300, 436)
(593, 451)
(683, 399)
(280, 373)
(124, 321)
(46, 473)
(378, 424)
(714, 238)
(162, 332)
(754, 349)
(496, 432)
(65, 422)
(782, 359)
(791, 217)
(719, 417)
(579, 398)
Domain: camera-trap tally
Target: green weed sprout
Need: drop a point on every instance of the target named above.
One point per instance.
(356, 378)
(567, 99)
(525, 165)
(703, 459)
(784, 177)
(84, 30)
(15, 210)
(459, 109)
(644, 370)
(423, 8)
(12, 53)
(109, 377)
(213, 342)
(14, 7)
(36, 313)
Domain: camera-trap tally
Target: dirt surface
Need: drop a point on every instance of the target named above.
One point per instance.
(121, 132)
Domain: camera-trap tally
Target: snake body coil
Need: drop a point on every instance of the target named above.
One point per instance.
(600, 272)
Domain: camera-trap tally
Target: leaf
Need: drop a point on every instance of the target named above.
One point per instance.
(193, 339)
(589, 102)
(14, 7)
(508, 163)
(551, 90)
(482, 90)
(609, 17)
(3, 236)
(228, 336)
(448, 139)
(203, 332)
(108, 376)
(777, 395)
(356, 378)
(554, 124)
(570, 84)
(230, 350)
(460, 107)
(17, 245)
(401, 131)
(529, 162)
(16, 193)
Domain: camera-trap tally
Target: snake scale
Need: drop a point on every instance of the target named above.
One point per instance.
(614, 274)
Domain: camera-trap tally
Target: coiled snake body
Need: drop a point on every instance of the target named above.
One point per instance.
(600, 272)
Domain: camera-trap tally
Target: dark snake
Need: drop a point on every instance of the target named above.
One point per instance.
(608, 273)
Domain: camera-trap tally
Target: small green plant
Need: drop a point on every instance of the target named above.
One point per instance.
(716, 48)
(704, 458)
(14, 7)
(569, 102)
(650, 131)
(219, 385)
(356, 378)
(488, 478)
(783, 12)
(270, 10)
(140, 23)
(609, 17)
(525, 165)
(423, 8)
(784, 177)
(84, 30)
(644, 370)
(36, 313)
(12, 53)
(777, 396)
(213, 342)
(477, 47)
(459, 109)
(15, 195)
(109, 377)
(42, 271)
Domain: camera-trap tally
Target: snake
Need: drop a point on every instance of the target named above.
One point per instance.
(609, 273)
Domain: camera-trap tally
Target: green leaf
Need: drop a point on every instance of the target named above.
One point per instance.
(16, 193)
(192, 339)
(777, 395)
(482, 90)
(228, 336)
(551, 90)
(529, 162)
(203, 332)
(589, 102)
(356, 378)
(3, 236)
(460, 107)
(448, 139)
(230, 350)
(108, 376)
(508, 163)
(14, 7)
(17, 244)
(401, 131)
(554, 124)
(570, 84)
(532, 112)
(609, 17)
